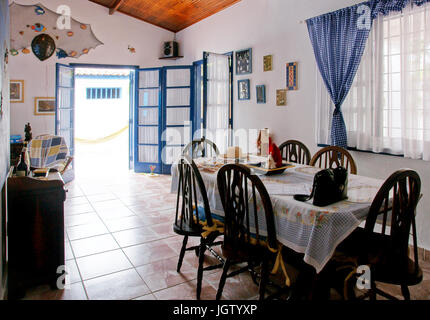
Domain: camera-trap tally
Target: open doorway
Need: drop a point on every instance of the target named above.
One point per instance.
(102, 116)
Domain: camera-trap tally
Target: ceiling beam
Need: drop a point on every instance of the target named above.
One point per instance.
(115, 6)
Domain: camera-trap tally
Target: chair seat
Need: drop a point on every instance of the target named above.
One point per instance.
(187, 230)
(377, 250)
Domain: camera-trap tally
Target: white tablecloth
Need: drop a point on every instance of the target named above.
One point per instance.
(301, 226)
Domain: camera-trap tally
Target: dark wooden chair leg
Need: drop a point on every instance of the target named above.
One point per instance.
(181, 255)
(372, 295)
(202, 250)
(264, 279)
(223, 279)
(405, 292)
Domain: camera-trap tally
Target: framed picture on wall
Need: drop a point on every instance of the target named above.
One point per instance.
(44, 106)
(243, 89)
(244, 61)
(292, 76)
(268, 63)
(261, 93)
(16, 91)
(281, 97)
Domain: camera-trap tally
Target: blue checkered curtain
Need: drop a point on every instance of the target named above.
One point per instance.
(338, 39)
(384, 7)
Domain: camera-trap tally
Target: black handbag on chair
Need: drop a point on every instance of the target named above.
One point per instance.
(330, 186)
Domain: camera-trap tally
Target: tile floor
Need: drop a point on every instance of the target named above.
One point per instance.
(120, 245)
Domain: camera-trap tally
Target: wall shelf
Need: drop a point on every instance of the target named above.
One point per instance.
(171, 58)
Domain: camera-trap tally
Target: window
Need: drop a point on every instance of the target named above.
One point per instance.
(218, 107)
(103, 93)
(388, 107)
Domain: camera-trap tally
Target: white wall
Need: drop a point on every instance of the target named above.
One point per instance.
(273, 27)
(117, 32)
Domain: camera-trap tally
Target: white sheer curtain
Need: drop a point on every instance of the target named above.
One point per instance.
(388, 106)
(218, 99)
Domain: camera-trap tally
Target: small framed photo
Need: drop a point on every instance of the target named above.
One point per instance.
(244, 61)
(292, 76)
(243, 89)
(268, 63)
(261, 93)
(281, 97)
(16, 91)
(44, 106)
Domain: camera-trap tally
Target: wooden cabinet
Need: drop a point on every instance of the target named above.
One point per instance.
(35, 232)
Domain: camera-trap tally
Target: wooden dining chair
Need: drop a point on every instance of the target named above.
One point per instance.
(295, 151)
(332, 156)
(241, 193)
(201, 148)
(192, 219)
(386, 248)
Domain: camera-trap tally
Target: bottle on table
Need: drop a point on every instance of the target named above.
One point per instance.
(22, 168)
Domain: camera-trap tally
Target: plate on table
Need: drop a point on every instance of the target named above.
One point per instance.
(270, 172)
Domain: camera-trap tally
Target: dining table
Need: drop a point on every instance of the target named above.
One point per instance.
(303, 227)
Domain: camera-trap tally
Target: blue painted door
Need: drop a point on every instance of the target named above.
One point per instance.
(178, 113)
(133, 86)
(198, 123)
(148, 121)
(65, 106)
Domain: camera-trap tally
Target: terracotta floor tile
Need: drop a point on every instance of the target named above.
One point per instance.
(164, 229)
(154, 204)
(91, 189)
(75, 292)
(115, 213)
(162, 274)
(102, 264)
(78, 209)
(186, 291)
(135, 199)
(149, 252)
(124, 223)
(73, 271)
(70, 202)
(146, 297)
(122, 285)
(74, 193)
(68, 251)
(135, 236)
(239, 287)
(109, 204)
(97, 244)
(86, 231)
(101, 197)
(81, 219)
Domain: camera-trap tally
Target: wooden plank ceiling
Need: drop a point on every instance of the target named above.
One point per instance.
(173, 15)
